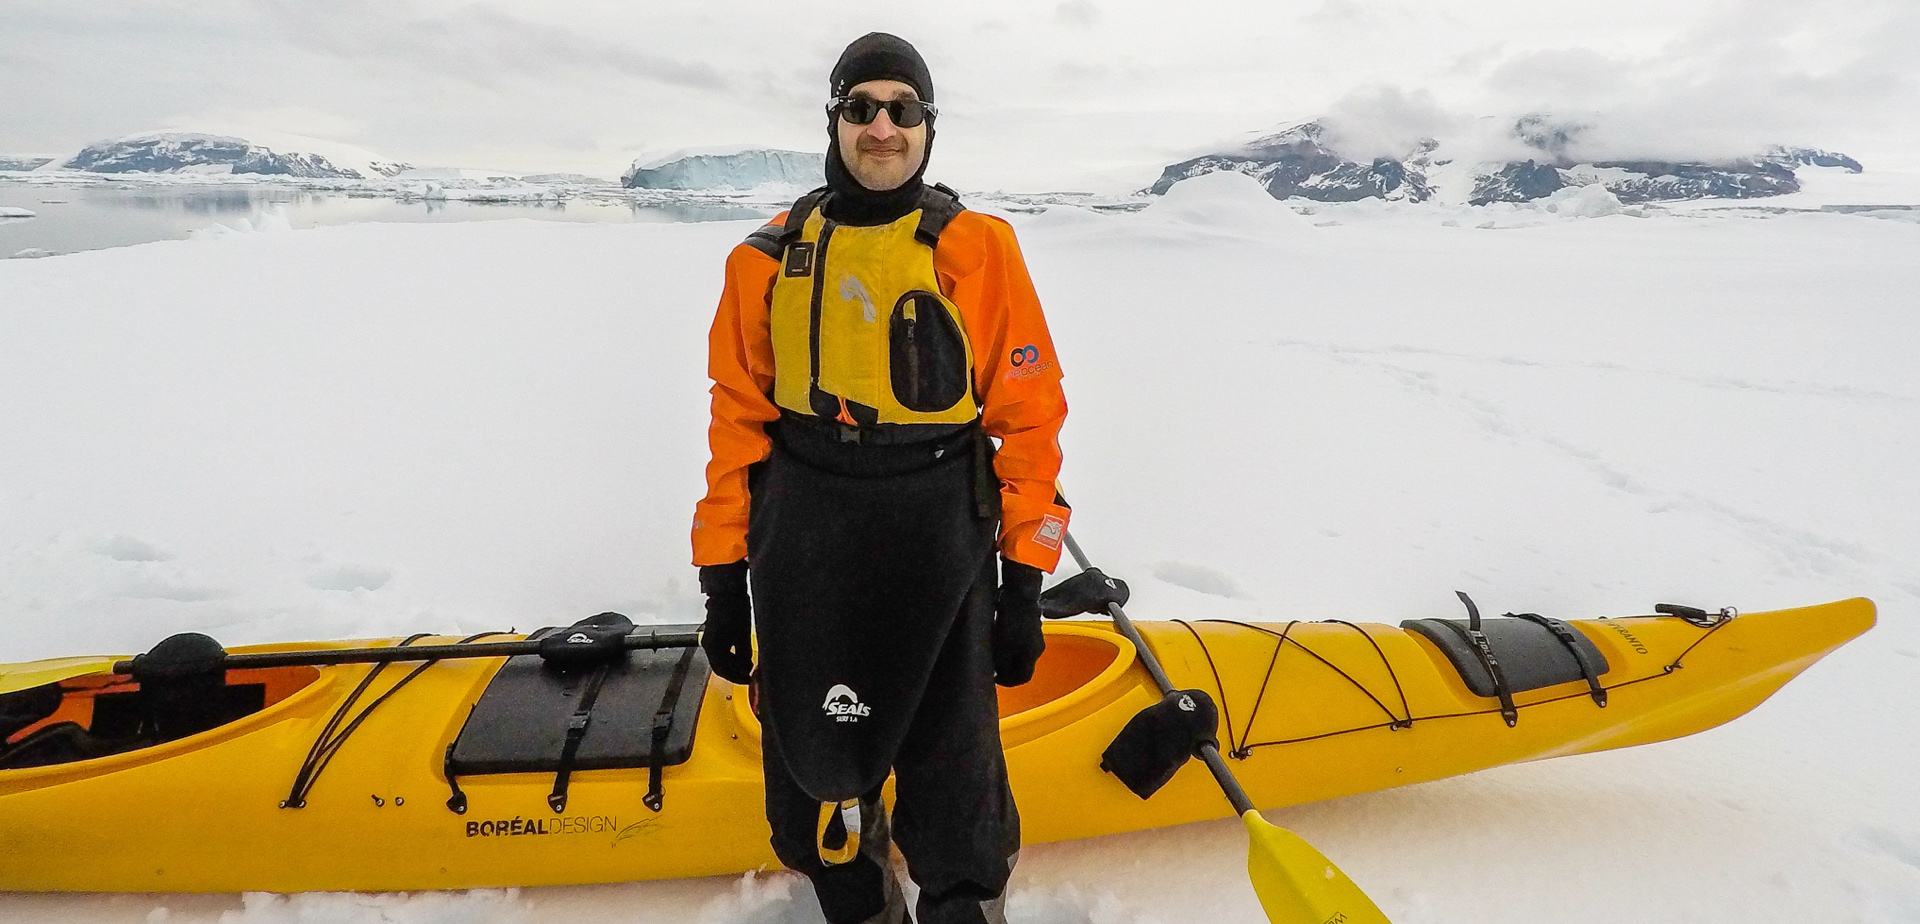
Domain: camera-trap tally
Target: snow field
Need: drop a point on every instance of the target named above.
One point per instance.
(370, 430)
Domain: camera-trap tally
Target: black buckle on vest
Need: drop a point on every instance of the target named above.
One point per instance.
(1565, 633)
(1480, 646)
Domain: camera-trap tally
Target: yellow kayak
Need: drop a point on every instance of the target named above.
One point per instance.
(442, 774)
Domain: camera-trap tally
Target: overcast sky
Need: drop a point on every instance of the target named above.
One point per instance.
(1035, 95)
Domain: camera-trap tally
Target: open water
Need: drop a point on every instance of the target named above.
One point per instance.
(76, 218)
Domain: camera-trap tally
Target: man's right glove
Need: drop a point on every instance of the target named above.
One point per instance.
(1017, 640)
(727, 636)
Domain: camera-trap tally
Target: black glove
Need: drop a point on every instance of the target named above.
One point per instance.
(727, 636)
(1090, 591)
(1017, 640)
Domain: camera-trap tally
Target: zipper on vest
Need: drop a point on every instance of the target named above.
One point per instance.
(819, 286)
(911, 315)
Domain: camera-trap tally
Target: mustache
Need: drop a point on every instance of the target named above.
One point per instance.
(870, 145)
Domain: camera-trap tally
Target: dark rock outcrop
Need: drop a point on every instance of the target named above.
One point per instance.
(1297, 163)
(1662, 181)
(1517, 181)
(173, 153)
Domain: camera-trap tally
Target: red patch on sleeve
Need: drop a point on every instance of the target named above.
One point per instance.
(1052, 529)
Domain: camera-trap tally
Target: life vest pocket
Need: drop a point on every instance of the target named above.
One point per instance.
(928, 353)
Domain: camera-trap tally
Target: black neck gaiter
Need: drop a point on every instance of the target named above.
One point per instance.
(854, 204)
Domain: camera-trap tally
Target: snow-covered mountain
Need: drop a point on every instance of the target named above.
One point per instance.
(22, 162)
(726, 168)
(195, 152)
(1297, 162)
(1300, 162)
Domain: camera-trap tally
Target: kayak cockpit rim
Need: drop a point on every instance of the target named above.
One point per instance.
(1082, 670)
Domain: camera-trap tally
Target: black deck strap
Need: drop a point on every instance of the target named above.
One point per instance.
(1695, 615)
(1480, 646)
(457, 802)
(662, 727)
(939, 205)
(576, 731)
(1571, 638)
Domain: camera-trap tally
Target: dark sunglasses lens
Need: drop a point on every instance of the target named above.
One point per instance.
(859, 111)
(906, 113)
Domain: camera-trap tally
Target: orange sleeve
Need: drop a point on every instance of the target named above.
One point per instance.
(740, 362)
(1017, 377)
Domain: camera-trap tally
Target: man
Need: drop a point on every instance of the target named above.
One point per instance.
(868, 344)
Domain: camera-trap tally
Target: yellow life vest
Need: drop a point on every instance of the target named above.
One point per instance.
(861, 332)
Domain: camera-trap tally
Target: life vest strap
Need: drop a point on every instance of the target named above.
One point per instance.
(939, 205)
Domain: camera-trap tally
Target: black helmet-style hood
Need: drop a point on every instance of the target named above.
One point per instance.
(875, 56)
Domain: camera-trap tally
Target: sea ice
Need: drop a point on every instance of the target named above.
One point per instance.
(507, 420)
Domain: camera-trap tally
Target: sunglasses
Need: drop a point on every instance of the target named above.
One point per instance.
(861, 110)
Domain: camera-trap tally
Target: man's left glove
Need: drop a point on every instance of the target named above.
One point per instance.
(1017, 640)
(727, 636)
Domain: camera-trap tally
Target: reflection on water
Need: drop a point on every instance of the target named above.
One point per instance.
(90, 218)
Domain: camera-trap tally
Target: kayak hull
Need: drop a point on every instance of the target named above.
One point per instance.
(1342, 709)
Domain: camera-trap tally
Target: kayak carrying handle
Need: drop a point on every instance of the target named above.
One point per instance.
(643, 640)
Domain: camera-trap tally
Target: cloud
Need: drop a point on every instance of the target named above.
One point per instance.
(1385, 121)
(1077, 13)
(1760, 72)
(477, 43)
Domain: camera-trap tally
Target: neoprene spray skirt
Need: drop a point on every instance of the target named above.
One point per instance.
(857, 574)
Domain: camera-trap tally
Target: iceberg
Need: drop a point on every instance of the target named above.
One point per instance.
(734, 168)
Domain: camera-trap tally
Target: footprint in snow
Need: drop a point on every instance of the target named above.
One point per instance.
(127, 548)
(1198, 578)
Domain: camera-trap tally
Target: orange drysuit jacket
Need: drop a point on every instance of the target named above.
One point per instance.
(1016, 379)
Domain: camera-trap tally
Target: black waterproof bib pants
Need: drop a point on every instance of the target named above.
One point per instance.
(873, 573)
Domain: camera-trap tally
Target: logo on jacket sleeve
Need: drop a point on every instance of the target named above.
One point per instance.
(1051, 530)
(844, 705)
(1027, 363)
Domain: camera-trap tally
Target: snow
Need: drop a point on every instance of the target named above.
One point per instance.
(7, 212)
(272, 221)
(1348, 412)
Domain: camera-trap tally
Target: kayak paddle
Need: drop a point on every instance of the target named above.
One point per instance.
(1296, 883)
(644, 638)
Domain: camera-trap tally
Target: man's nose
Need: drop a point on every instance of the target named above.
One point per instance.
(883, 127)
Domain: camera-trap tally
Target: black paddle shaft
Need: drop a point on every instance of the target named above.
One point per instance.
(1208, 753)
(645, 639)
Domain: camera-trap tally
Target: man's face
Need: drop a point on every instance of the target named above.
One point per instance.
(880, 154)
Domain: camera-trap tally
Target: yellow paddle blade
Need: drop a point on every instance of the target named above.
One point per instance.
(17, 677)
(1298, 884)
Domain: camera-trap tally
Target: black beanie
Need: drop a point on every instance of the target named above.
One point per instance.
(875, 56)
(879, 56)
